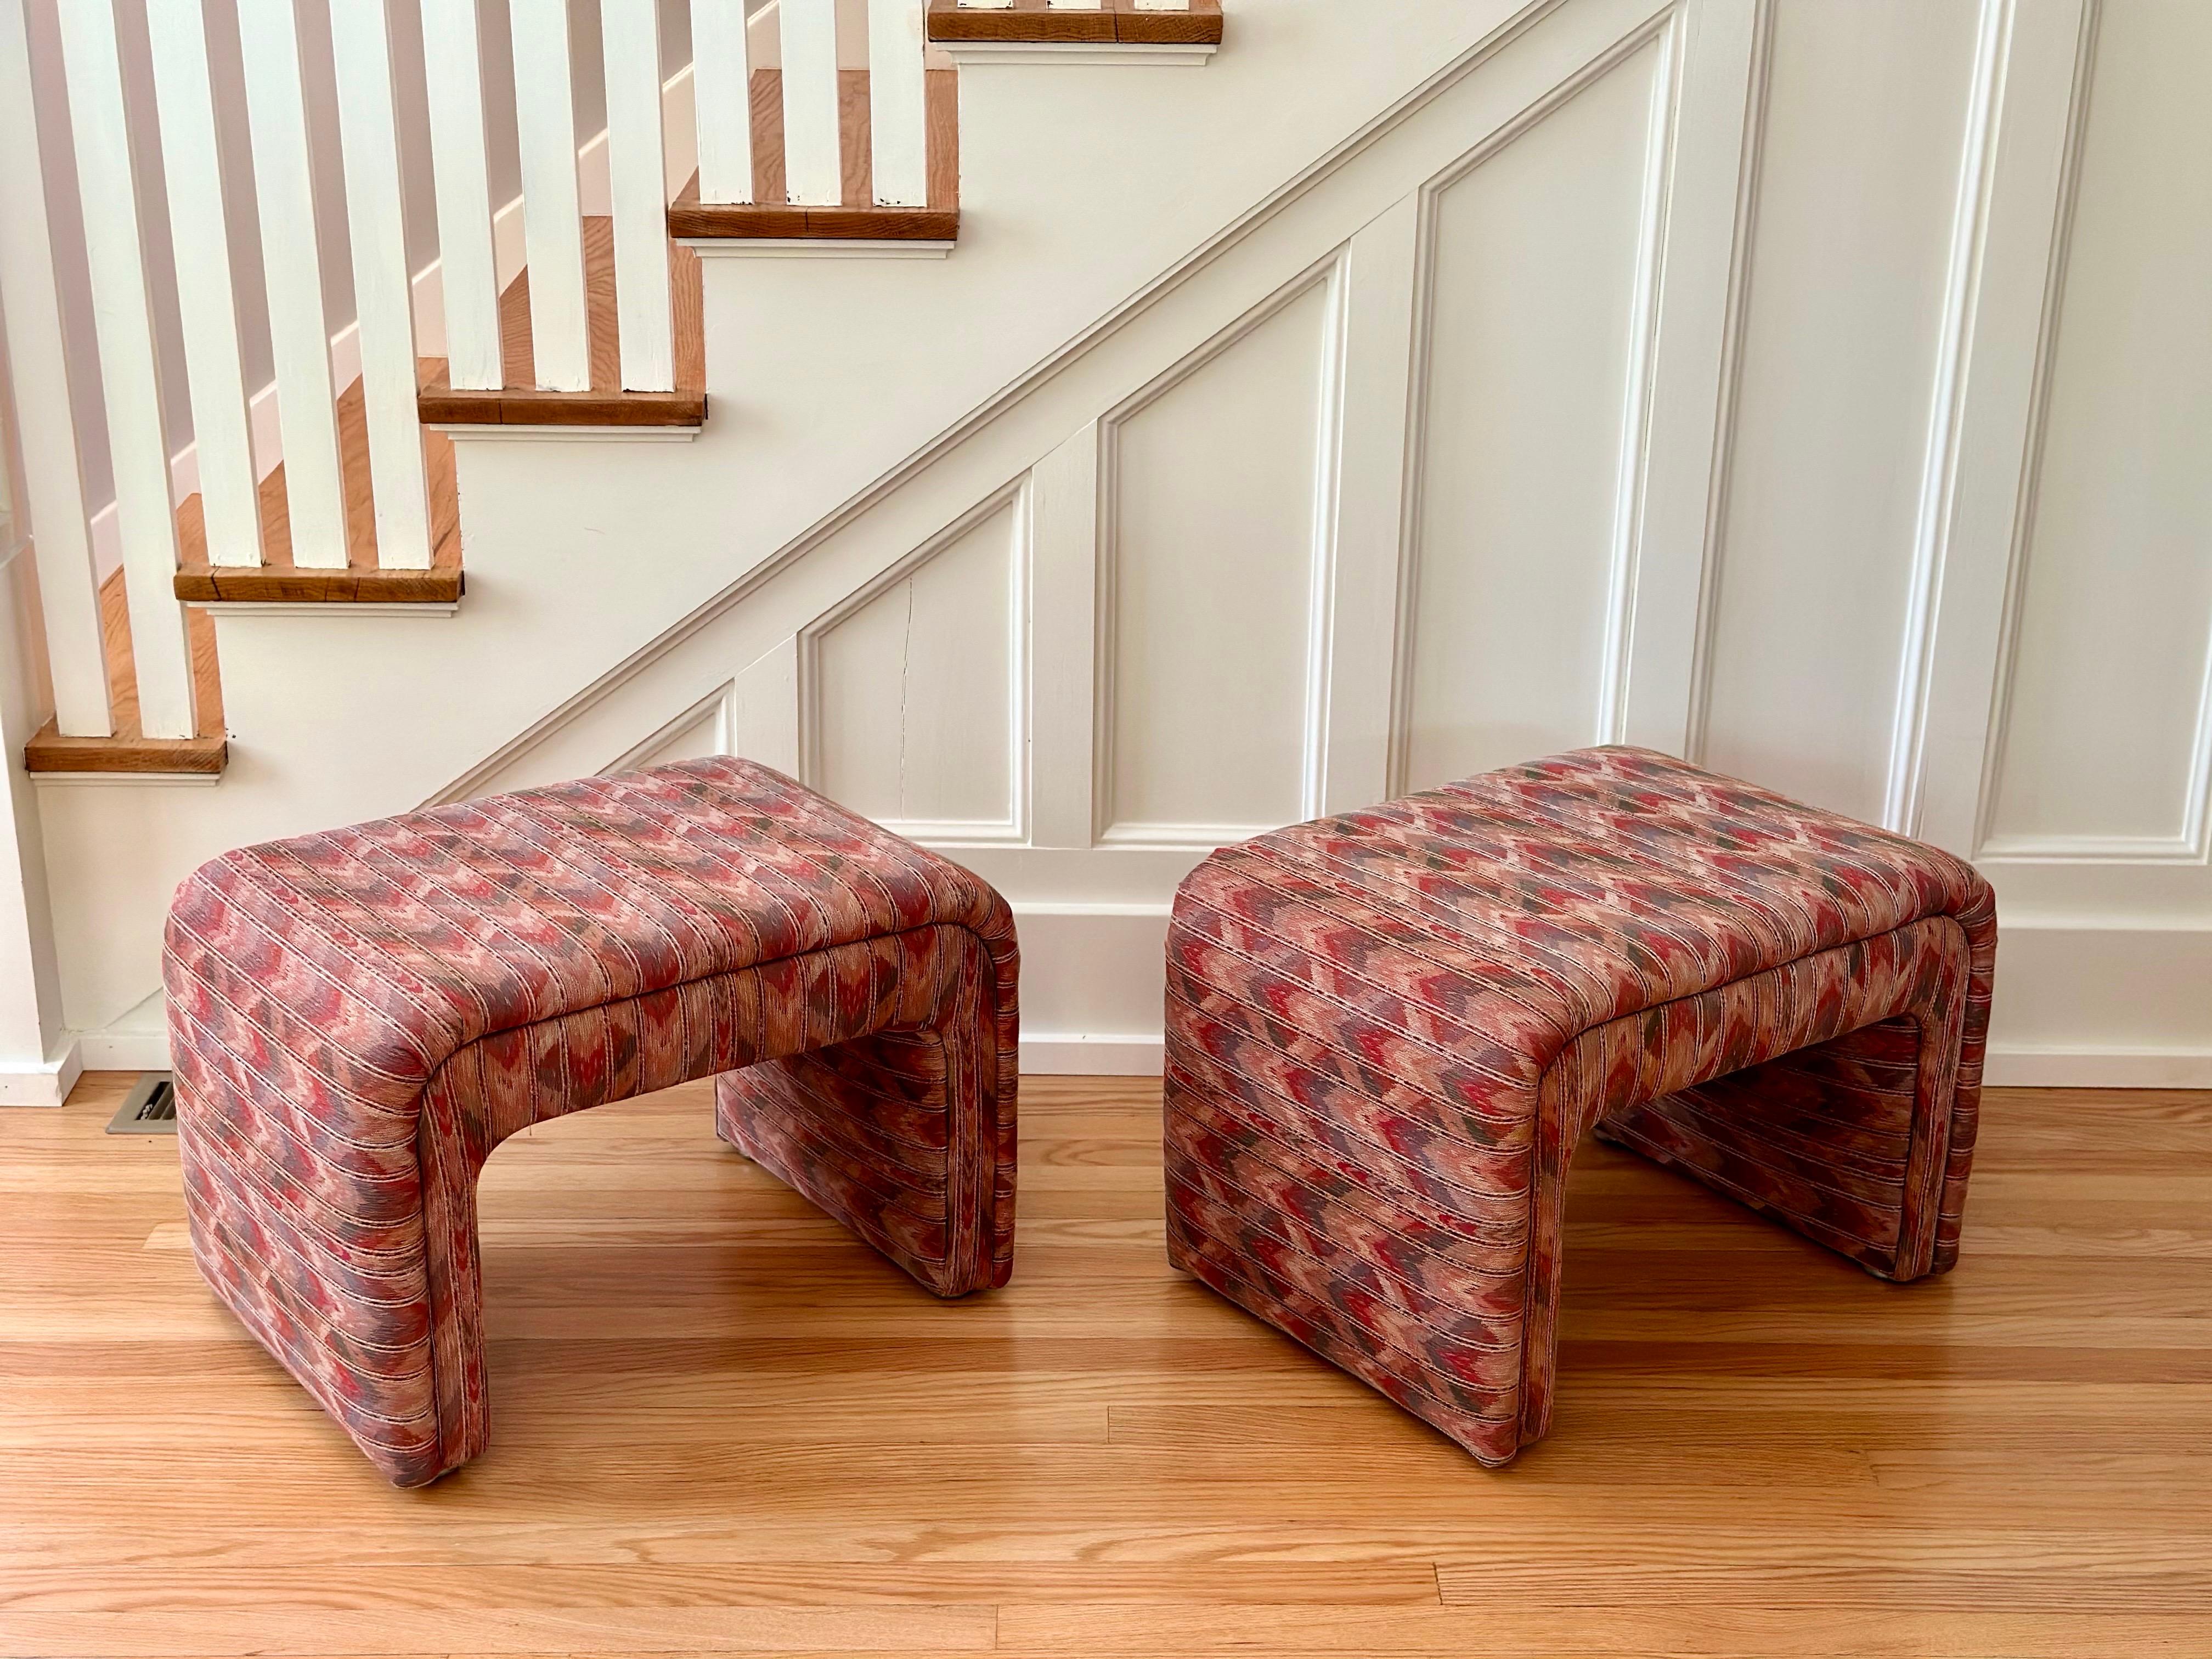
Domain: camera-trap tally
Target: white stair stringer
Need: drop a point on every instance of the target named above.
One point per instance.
(602, 618)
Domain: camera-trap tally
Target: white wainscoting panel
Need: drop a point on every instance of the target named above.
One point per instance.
(1533, 350)
(1861, 141)
(911, 691)
(763, 718)
(1365, 594)
(1819, 388)
(700, 730)
(1061, 499)
(1218, 490)
(2107, 738)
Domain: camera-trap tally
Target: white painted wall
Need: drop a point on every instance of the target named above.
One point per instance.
(37, 1063)
(1820, 390)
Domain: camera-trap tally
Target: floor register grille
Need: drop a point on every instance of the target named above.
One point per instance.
(150, 1109)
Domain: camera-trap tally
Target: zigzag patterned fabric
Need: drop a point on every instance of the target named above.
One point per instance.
(1386, 1032)
(358, 1019)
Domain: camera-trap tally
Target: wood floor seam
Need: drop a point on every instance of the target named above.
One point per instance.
(726, 1426)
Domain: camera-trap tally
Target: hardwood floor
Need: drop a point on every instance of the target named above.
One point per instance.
(723, 1426)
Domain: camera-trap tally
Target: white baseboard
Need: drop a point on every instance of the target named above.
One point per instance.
(1075, 1054)
(2021, 1066)
(137, 1042)
(126, 1051)
(42, 1083)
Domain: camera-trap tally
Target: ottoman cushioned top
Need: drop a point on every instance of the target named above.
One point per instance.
(1460, 938)
(387, 947)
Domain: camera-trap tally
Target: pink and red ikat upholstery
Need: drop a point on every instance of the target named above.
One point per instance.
(357, 1019)
(1388, 1030)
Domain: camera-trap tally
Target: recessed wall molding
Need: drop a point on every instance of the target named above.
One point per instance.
(1165, 836)
(2188, 848)
(707, 721)
(1003, 512)
(2191, 844)
(1635, 455)
(2066, 191)
(1711, 544)
(1062, 511)
(1317, 376)
(1935, 518)
(1371, 536)
(1939, 477)
(1661, 37)
(763, 720)
(1860, 351)
(2004, 386)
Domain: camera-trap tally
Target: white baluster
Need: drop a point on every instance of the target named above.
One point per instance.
(898, 129)
(552, 218)
(722, 100)
(129, 372)
(384, 305)
(629, 35)
(467, 274)
(812, 171)
(299, 334)
(230, 494)
(53, 488)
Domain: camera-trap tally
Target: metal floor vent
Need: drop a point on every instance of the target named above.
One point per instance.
(150, 1109)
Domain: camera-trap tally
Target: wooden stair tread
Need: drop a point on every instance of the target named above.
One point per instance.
(276, 580)
(130, 750)
(768, 216)
(606, 404)
(1117, 21)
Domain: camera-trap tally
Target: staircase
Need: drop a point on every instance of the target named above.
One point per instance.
(818, 173)
(520, 401)
(1071, 461)
(765, 215)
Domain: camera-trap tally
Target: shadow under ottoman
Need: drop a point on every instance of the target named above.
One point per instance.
(357, 1019)
(1388, 1030)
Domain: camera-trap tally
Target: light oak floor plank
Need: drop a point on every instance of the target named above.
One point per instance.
(722, 1426)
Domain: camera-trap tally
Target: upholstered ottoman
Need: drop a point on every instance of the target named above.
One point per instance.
(357, 1019)
(1386, 1032)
